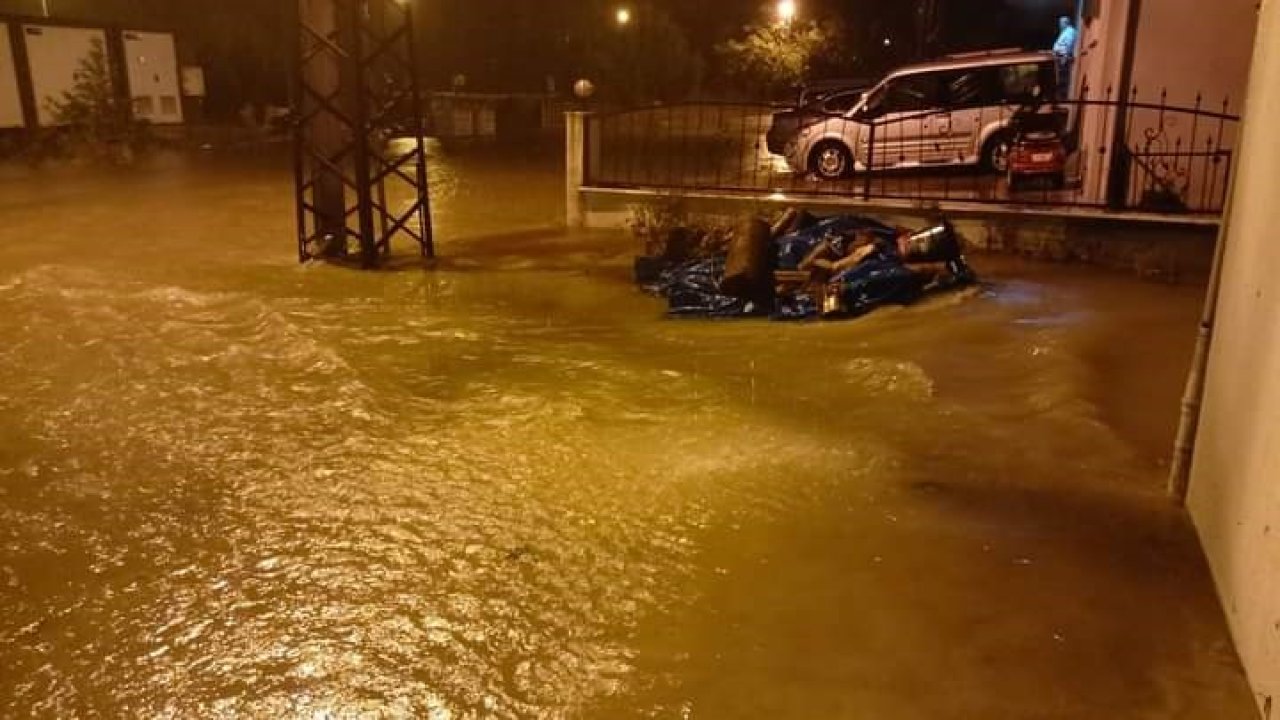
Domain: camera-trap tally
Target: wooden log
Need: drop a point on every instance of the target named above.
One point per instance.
(823, 251)
(853, 259)
(748, 270)
(791, 276)
(785, 225)
(805, 221)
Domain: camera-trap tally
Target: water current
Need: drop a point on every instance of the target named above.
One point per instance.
(506, 487)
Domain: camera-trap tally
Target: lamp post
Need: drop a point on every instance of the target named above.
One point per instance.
(629, 47)
(786, 11)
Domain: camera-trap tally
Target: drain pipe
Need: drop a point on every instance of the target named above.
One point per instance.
(1193, 399)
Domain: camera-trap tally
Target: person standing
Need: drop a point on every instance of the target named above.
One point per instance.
(1064, 51)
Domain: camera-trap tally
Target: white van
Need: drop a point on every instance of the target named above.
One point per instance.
(954, 111)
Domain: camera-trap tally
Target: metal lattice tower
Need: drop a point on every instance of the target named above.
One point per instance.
(359, 157)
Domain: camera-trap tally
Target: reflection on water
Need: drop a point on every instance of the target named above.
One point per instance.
(232, 487)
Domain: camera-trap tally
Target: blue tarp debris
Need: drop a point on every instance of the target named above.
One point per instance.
(839, 267)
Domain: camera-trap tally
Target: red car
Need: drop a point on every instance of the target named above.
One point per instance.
(1038, 153)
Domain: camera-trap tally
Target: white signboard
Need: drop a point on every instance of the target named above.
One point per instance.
(154, 83)
(10, 99)
(193, 81)
(56, 53)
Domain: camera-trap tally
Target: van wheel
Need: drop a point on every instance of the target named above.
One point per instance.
(995, 154)
(831, 160)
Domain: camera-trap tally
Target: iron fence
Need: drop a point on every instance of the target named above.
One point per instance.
(1171, 158)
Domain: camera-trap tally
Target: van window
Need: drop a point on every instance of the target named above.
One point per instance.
(913, 93)
(841, 104)
(971, 88)
(1023, 82)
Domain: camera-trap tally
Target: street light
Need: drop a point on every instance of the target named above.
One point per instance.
(786, 11)
(623, 17)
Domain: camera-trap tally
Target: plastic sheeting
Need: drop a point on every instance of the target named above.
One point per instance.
(693, 288)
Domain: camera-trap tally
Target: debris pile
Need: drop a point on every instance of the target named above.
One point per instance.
(803, 267)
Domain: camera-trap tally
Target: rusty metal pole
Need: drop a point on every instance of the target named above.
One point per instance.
(346, 92)
(325, 135)
(419, 137)
(355, 79)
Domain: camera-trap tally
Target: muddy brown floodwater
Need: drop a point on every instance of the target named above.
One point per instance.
(508, 488)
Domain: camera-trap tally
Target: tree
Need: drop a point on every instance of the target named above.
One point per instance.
(648, 58)
(92, 112)
(778, 56)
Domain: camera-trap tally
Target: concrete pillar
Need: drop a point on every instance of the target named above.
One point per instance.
(1235, 490)
(328, 134)
(575, 167)
(1098, 66)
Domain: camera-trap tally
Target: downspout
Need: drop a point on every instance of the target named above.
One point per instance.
(1193, 398)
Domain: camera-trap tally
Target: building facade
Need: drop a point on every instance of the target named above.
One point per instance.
(1184, 66)
(1235, 484)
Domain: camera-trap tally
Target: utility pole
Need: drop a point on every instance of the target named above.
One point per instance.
(322, 127)
(356, 88)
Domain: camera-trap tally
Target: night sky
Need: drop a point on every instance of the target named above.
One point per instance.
(516, 44)
(500, 41)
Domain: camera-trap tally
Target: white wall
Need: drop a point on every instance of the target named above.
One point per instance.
(10, 99)
(1189, 49)
(1184, 49)
(55, 54)
(1195, 46)
(1235, 492)
(154, 81)
(1100, 56)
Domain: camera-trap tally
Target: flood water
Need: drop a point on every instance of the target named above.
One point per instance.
(506, 487)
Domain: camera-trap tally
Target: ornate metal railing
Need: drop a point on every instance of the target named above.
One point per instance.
(1170, 159)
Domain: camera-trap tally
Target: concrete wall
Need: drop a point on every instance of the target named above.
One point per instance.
(1194, 46)
(1160, 249)
(1235, 492)
(1184, 50)
(1100, 56)
(1187, 47)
